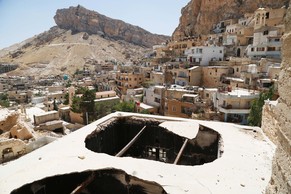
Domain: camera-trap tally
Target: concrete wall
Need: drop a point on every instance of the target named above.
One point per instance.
(195, 76)
(76, 118)
(45, 117)
(11, 148)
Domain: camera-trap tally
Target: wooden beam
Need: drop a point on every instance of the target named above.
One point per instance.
(84, 184)
(119, 154)
(180, 152)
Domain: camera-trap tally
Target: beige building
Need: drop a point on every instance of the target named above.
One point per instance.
(105, 94)
(213, 75)
(20, 96)
(269, 17)
(4, 87)
(184, 76)
(129, 80)
(157, 78)
(181, 102)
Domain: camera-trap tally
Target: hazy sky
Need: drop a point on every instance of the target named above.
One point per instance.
(22, 19)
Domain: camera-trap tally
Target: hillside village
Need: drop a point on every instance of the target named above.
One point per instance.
(97, 105)
(213, 76)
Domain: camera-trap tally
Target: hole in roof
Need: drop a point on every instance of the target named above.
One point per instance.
(145, 139)
(109, 181)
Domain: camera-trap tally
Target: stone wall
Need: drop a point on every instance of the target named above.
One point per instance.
(279, 121)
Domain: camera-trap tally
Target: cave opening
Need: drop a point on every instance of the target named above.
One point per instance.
(109, 181)
(154, 143)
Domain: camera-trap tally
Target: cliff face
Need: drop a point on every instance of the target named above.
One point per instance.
(79, 19)
(199, 16)
(277, 121)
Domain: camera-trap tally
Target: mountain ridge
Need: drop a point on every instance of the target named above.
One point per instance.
(64, 50)
(80, 19)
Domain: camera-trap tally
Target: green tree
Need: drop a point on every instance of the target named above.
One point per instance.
(124, 107)
(4, 100)
(255, 116)
(145, 111)
(66, 102)
(76, 104)
(87, 105)
(105, 108)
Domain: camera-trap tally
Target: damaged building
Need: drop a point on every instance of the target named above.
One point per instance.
(142, 154)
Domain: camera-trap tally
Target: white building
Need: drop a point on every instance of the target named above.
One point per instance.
(235, 104)
(204, 54)
(153, 95)
(267, 43)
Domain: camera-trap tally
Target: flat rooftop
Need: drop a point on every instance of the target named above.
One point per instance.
(244, 166)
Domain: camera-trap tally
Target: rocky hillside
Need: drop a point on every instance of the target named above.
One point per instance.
(199, 16)
(79, 19)
(82, 37)
(58, 51)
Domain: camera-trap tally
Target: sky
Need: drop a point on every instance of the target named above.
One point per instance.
(22, 19)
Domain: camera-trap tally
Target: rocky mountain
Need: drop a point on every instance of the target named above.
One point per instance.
(82, 37)
(80, 19)
(198, 16)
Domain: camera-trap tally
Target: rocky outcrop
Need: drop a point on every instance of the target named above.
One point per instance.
(280, 127)
(79, 19)
(199, 16)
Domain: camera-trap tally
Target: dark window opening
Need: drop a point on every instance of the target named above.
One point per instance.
(155, 142)
(109, 181)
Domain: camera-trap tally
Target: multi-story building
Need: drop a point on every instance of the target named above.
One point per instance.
(128, 80)
(212, 76)
(187, 76)
(234, 104)
(154, 96)
(181, 102)
(202, 55)
(267, 43)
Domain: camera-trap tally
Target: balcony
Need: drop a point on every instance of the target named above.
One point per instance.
(230, 110)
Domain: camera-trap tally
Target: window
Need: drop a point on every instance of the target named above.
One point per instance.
(261, 49)
(207, 95)
(252, 49)
(267, 15)
(266, 32)
(174, 109)
(157, 100)
(220, 51)
(271, 48)
(237, 69)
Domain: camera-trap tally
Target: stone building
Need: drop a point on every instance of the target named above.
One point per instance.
(128, 80)
(276, 121)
